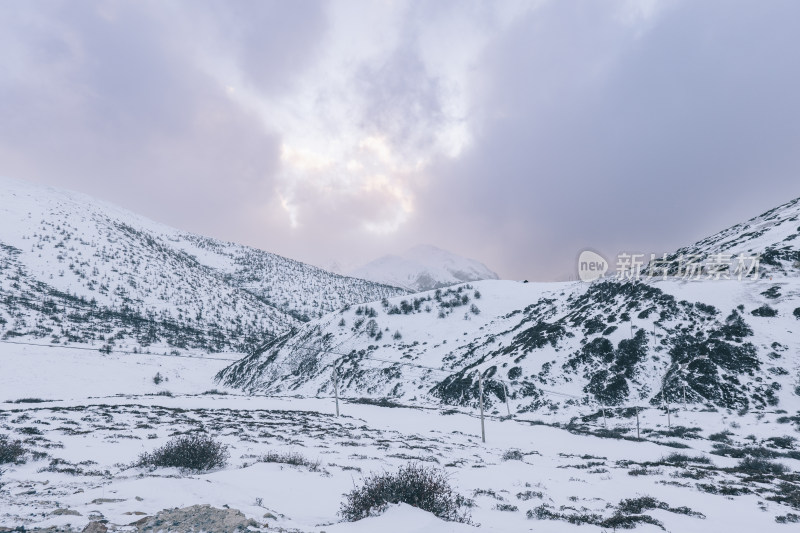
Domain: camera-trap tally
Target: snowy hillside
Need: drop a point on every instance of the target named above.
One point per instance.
(595, 436)
(725, 342)
(774, 236)
(423, 268)
(73, 269)
(608, 343)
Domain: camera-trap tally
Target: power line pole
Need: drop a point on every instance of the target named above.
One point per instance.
(637, 422)
(480, 388)
(505, 389)
(336, 389)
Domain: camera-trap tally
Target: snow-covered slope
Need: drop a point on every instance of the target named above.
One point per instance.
(423, 268)
(73, 269)
(608, 343)
(730, 343)
(774, 236)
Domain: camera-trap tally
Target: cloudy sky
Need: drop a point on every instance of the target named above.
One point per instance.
(517, 133)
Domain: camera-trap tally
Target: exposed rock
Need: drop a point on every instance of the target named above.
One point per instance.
(60, 512)
(197, 518)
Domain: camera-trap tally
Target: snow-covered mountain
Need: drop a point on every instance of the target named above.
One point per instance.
(423, 268)
(73, 269)
(730, 343)
(72, 424)
(773, 236)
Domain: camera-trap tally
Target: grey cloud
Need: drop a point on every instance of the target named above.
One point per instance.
(596, 137)
(402, 99)
(114, 106)
(273, 41)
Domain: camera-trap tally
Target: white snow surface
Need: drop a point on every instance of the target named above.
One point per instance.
(565, 449)
(86, 441)
(503, 331)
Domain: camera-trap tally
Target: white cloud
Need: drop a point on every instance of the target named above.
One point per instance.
(387, 93)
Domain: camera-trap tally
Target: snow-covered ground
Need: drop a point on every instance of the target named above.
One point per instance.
(103, 412)
(64, 373)
(585, 370)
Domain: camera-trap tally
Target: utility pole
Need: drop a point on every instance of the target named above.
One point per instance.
(669, 423)
(637, 422)
(336, 389)
(505, 389)
(603, 407)
(684, 396)
(480, 388)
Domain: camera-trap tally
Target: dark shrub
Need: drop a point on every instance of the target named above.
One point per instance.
(514, 373)
(735, 327)
(11, 451)
(415, 485)
(790, 518)
(722, 436)
(191, 452)
(639, 505)
(739, 453)
(513, 455)
(788, 494)
(681, 459)
(786, 442)
(295, 459)
(755, 465)
(380, 402)
(674, 444)
(764, 311)
(506, 507)
(773, 292)
(645, 503)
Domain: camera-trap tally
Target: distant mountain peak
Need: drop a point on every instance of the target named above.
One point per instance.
(423, 267)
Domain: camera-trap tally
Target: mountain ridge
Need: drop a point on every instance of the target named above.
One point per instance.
(61, 247)
(772, 236)
(725, 343)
